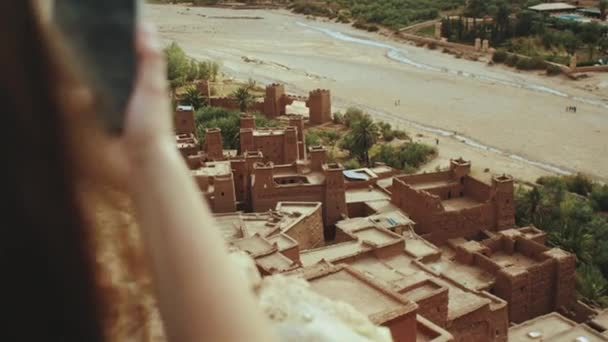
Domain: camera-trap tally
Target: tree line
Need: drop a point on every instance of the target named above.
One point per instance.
(572, 210)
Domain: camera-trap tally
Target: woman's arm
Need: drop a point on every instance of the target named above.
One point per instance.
(201, 295)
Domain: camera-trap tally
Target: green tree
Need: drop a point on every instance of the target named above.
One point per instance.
(591, 285)
(590, 36)
(214, 69)
(203, 71)
(243, 97)
(193, 97)
(571, 42)
(312, 139)
(177, 66)
(365, 134)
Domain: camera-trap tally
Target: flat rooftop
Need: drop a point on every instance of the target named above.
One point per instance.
(417, 247)
(459, 203)
(361, 294)
(553, 6)
(390, 219)
(580, 333)
(229, 225)
(460, 301)
(375, 235)
(470, 276)
(254, 245)
(332, 252)
(542, 327)
(365, 195)
(261, 132)
(381, 206)
(516, 259)
(275, 262)
(385, 183)
(283, 241)
(214, 169)
(304, 208)
(432, 184)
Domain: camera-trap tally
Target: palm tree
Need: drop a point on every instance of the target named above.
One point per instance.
(243, 97)
(365, 134)
(193, 97)
(591, 285)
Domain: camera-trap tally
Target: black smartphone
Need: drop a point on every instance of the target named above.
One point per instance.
(101, 34)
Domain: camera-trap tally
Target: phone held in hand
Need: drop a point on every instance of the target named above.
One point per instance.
(101, 34)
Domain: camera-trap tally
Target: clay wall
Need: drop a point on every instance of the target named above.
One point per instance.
(564, 278)
(529, 248)
(267, 199)
(452, 190)
(427, 177)
(231, 104)
(319, 105)
(476, 189)
(540, 284)
(419, 206)
(224, 198)
(308, 232)
(213, 145)
(293, 253)
(357, 209)
(504, 202)
(274, 105)
(183, 122)
(403, 328)
(463, 223)
(598, 68)
(246, 140)
(433, 307)
(271, 146)
(486, 263)
(388, 250)
(334, 201)
(488, 323)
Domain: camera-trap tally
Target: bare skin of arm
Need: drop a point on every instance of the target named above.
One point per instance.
(200, 294)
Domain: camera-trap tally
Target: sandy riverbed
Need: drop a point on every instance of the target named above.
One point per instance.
(516, 113)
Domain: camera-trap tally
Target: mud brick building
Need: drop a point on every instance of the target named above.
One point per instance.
(451, 204)
(433, 256)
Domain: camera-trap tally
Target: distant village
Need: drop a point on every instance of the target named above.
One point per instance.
(431, 256)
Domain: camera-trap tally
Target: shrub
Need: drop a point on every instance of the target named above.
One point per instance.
(523, 64)
(312, 139)
(499, 56)
(401, 135)
(338, 118)
(553, 70)
(373, 28)
(329, 137)
(388, 135)
(352, 164)
(599, 197)
(407, 156)
(537, 63)
(511, 60)
(227, 121)
(352, 116)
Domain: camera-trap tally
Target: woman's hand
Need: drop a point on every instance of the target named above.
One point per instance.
(148, 124)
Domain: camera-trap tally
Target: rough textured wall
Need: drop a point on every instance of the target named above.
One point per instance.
(183, 121)
(476, 189)
(403, 328)
(309, 231)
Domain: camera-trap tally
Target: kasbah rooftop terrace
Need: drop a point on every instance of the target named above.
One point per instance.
(432, 257)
